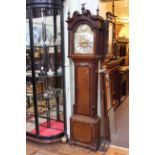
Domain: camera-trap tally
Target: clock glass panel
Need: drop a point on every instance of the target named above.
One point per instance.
(84, 40)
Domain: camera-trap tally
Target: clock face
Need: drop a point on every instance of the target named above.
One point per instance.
(84, 40)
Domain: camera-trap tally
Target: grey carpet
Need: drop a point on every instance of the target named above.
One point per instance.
(121, 137)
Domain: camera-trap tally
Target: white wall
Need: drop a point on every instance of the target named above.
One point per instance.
(67, 70)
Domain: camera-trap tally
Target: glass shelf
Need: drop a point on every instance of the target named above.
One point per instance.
(28, 47)
(39, 75)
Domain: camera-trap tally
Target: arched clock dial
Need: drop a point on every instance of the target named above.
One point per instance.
(84, 40)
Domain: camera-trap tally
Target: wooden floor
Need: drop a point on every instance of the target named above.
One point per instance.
(66, 149)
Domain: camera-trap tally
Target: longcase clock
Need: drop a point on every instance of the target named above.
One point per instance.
(86, 50)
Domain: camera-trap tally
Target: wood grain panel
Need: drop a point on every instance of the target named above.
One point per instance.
(83, 90)
(85, 131)
(82, 132)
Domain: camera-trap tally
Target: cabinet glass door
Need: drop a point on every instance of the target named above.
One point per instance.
(45, 101)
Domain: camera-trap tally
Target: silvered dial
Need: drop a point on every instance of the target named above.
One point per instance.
(84, 40)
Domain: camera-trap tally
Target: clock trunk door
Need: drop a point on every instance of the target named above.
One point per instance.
(82, 92)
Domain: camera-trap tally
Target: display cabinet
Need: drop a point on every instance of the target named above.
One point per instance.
(123, 50)
(45, 99)
(123, 83)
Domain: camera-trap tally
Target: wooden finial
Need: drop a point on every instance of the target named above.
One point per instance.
(97, 11)
(108, 15)
(83, 7)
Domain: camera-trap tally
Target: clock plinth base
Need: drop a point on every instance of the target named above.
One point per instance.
(85, 131)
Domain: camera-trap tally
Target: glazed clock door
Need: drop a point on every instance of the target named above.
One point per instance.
(84, 40)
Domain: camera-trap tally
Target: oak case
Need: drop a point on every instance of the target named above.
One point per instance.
(85, 124)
